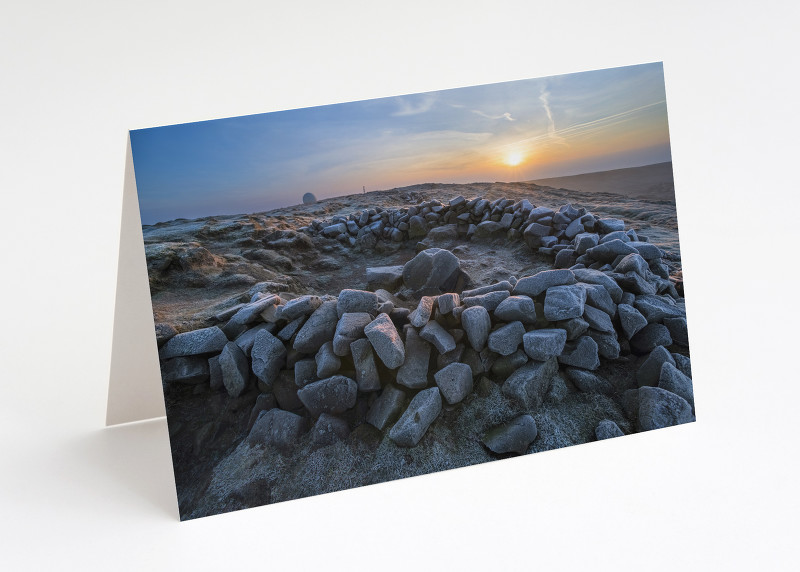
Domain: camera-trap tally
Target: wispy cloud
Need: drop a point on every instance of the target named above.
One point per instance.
(419, 105)
(602, 123)
(544, 97)
(506, 116)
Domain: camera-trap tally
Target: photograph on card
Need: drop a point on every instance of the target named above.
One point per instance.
(351, 294)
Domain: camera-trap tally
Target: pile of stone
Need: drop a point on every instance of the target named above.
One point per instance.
(327, 364)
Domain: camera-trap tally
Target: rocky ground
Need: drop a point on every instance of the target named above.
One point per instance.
(296, 363)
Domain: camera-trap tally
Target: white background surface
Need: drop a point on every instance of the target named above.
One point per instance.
(718, 494)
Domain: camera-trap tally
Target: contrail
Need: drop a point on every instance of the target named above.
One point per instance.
(587, 127)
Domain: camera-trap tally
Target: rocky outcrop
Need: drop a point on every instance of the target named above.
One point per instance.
(416, 343)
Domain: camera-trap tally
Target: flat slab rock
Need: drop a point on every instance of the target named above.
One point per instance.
(197, 342)
(513, 437)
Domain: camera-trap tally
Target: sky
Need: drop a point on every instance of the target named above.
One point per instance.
(512, 131)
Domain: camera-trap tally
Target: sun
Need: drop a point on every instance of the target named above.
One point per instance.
(513, 159)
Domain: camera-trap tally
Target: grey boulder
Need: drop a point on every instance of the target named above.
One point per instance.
(334, 395)
(268, 356)
(386, 341)
(421, 412)
(564, 302)
(541, 345)
(530, 383)
(454, 382)
(476, 323)
(607, 429)
(197, 342)
(235, 369)
(513, 437)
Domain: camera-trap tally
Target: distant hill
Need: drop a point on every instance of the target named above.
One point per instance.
(648, 182)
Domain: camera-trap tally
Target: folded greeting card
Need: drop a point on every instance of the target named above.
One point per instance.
(355, 293)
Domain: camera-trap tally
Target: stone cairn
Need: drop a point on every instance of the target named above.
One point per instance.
(319, 361)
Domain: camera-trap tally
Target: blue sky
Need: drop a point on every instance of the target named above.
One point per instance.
(520, 130)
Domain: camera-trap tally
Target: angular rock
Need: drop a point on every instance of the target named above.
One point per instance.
(684, 364)
(582, 354)
(597, 319)
(387, 408)
(504, 285)
(327, 362)
(388, 277)
(185, 369)
(305, 372)
(487, 228)
(454, 382)
(246, 339)
(447, 303)
(414, 371)
(661, 408)
(421, 412)
(607, 343)
(656, 308)
(584, 241)
(318, 329)
(530, 383)
(386, 341)
(334, 395)
(476, 323)
(673, 380)
(591, 276)
(647, 251)
(506, 339)
(197, 342)
(575, 327)
(534, 285)
(630, 319)
(564, 302)
(513, 437)
(356, 301)
(516, 308)
(434, 268)
(607, 429)
(504, 366)
(633, 263)
(349, 328)
(606, 225)
(278, 428)
(541, 345)
(609, 251)
(649, 337)
(235, 369)
(268, 356)
(490, 300)
(302, 306)
(289, 330)
(441, 339)
(632, 282)
(678, 330)
(364, 362)
(422, 314)
(247, 314)
(589, 382)
(599, 297)
(328, 430)
(650, 370)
